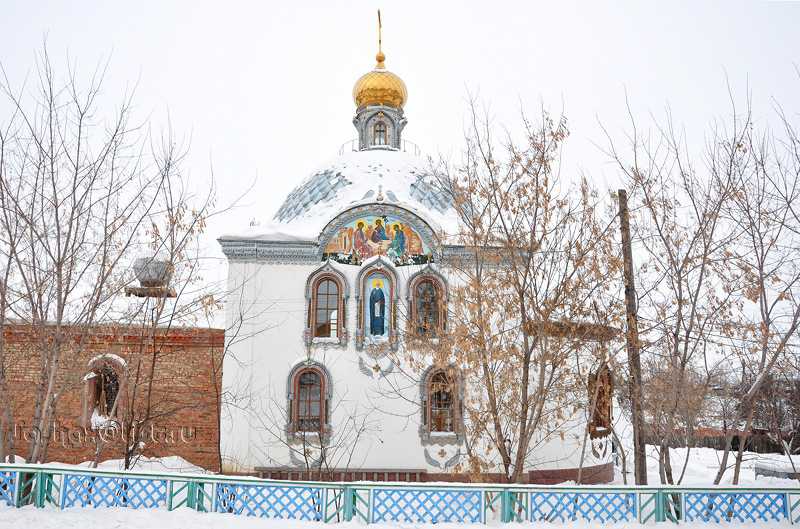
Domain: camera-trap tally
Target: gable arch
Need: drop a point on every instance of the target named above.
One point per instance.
(427, 271)
(379, 264)
(327, 269)
(309, 364)
(336, 240)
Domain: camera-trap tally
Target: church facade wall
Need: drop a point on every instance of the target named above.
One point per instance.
(375, 407)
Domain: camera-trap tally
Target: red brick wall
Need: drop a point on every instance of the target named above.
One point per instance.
(589, 476)
(187, 369)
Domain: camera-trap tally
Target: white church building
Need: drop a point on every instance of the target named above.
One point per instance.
(354, 261)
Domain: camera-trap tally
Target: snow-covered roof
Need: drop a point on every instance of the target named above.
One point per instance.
(355, 178)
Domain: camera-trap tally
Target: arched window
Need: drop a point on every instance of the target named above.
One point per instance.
(326, 310)
(441, 403)
(327, 291)
(309, 403)
(426, 299)
(106, 391)
(427, 306)
(379, 136)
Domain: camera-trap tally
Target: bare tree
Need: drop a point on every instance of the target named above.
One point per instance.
(539, 262)
(76, 193)
(9, 227)
(765, 209)
(686, 297)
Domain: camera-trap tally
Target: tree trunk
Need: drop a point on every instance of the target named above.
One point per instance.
(723, 465)
(632, 338)
(742, 441)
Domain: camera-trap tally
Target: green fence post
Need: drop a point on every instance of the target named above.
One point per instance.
(23, 483)
(348, 497)
(660, 514)
(49, 484)
(191, 495)
(40, 489)
(201, 497)
(505, 506)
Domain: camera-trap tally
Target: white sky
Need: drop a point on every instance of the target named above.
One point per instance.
(264, 88)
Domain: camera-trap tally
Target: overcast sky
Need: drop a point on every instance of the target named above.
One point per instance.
(264, 88)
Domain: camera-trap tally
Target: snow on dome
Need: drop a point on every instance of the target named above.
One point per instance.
(361, 177)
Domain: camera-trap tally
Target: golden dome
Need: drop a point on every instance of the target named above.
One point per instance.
(380, 87)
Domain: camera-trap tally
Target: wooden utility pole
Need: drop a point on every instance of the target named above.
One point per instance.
(632, 338)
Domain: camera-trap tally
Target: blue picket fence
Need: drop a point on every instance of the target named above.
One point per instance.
(44, 485)
(426, 505)
(80, 490)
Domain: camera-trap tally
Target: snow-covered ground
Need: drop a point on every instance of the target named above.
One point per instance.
(155, 464)
(182, 518)
(144, 464)
(703, 464)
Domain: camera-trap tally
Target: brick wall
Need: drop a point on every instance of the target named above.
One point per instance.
(183, 400)
(590, 475)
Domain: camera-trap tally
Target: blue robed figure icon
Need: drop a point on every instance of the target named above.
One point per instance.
(377, 309)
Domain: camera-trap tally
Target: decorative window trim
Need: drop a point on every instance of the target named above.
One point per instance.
(428, 273)
(90, 380)
(326, 271)
(326, 381)
(365, 124)
(383, 266)
(428, 437)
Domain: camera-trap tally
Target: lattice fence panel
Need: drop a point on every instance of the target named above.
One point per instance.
(8, 482)
(431, 506)
(590, 506)
(269, 501)
(735, 506)
(101, 491)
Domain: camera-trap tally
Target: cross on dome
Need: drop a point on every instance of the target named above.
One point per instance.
(380, 86)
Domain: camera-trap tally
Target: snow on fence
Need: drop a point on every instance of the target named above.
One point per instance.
(60, 487)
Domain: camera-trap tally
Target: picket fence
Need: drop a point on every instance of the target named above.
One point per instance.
(69, 487)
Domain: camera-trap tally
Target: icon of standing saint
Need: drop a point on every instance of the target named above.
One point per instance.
(377, 309)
